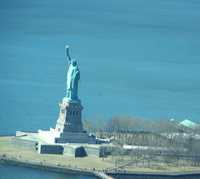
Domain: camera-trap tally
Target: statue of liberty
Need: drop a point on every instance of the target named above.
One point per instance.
(73, 76)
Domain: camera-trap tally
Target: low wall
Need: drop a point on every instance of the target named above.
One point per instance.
(114, 174)
(42, 166)
(146, 175)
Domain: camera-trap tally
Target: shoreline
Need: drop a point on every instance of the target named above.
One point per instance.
(22, 155)
(41, 166)
(88, 172)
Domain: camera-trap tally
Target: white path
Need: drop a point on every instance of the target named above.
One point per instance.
(102, 175)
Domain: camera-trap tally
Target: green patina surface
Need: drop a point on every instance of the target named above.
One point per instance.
(73, 76)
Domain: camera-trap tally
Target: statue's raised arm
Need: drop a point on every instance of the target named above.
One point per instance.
(67, 53)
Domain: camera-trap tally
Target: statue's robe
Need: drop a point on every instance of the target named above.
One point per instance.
(73, 76)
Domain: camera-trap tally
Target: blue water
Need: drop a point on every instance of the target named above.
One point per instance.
(12, 172)
(137, 58)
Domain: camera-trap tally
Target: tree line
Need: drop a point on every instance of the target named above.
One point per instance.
(182, 142)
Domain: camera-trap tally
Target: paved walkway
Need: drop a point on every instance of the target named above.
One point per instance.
(102, 175)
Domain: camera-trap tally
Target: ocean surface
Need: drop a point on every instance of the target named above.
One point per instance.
(137, 58)
(13, 172)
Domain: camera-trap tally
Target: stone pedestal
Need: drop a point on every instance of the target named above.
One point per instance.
(69, 119)
(69, 124)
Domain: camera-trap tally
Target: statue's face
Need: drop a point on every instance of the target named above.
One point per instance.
(74, 63)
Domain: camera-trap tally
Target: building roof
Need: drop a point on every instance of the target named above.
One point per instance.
(188, 123)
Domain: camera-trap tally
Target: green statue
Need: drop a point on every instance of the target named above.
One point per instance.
(73, 76)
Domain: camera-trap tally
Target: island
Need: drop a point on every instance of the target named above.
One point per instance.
(118, 150)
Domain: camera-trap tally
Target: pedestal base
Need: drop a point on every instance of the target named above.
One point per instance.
(69, 119)
(69, 124)
(75, 137)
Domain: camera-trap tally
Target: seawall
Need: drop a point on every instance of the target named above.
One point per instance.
(99, 174)
(41, 166)
(54, 168)
(146, 175)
